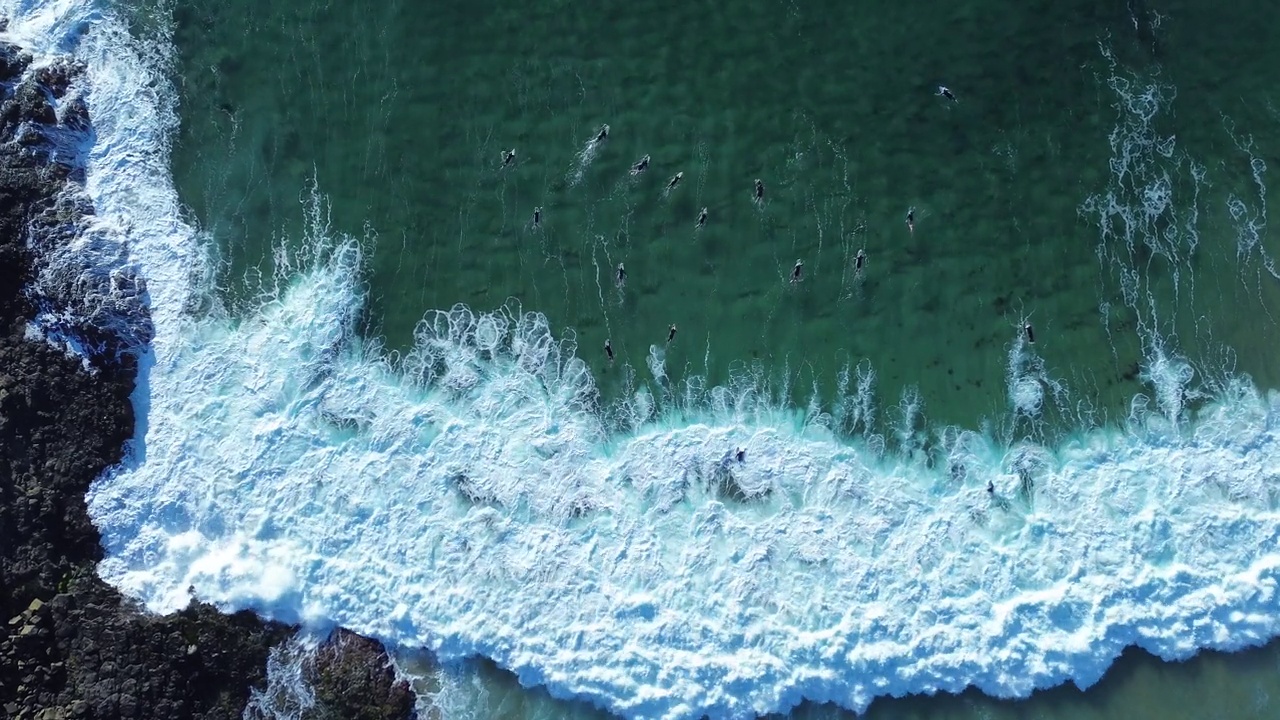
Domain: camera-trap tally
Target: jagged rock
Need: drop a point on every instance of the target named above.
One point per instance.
(57, 76)
(75, 114)
(353, 680)
(28, 103)
(86, 652)
(13, 61)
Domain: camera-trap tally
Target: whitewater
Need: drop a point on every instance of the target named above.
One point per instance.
(473, 498)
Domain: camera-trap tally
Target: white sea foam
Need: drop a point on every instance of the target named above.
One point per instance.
(472, 501)
(287, 695)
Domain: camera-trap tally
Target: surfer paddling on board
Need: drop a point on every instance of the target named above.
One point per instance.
(508, 157)
(640, 165)
(620, 276)
(945, 92)
(911, 220)
(702, 219)
(1030, 332)
(759, 192)
(674, 181)
(796, 271)
(608, 350)
(860, 260)
(602, 135)
(537, 217)
(671, 332)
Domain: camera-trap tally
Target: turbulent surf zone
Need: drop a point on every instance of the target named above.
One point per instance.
(673, 555)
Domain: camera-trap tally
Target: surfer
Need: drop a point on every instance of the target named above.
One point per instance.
(508, 157)
(602, 135)
(674, 181)
(759, 197)
(608, 350)
(945, 92)
(911, 220)
(795, 271)
(741, 454)
(640, 165)
(991, 488)
(1031, 333)
(537, 217)
(859, 260)
(702, 218)
(671, 332)
(620, 276)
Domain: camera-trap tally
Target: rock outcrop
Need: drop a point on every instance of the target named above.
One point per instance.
(70, 645)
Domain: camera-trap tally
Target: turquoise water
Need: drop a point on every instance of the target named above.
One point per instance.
(400, 115)
(1212, 686)
(1101, 175)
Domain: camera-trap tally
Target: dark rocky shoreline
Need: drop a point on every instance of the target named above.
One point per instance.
(70, 645)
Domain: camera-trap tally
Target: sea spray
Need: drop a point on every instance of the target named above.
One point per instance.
(476, 505)
(483, 495)
(287, 695)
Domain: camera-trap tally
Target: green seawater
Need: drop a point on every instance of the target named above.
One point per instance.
(1212, 686)
(400, 115)
(1103, 174)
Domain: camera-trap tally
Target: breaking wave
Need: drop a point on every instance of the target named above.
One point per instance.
(474, 498)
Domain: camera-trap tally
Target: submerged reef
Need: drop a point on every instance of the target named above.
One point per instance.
(73, 327)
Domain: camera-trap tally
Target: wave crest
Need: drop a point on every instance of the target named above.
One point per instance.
(471, 498)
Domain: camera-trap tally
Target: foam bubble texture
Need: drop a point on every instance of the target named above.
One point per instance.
(480, 513)
(471, 501)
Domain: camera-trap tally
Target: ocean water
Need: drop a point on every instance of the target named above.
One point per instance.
(377, 395)
(847, 141)
(1028, 206)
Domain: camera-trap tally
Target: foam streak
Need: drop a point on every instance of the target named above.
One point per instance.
(470, 499)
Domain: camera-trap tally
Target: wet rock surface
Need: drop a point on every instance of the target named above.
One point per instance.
(70, 645)
(352, 680)
(346, 678)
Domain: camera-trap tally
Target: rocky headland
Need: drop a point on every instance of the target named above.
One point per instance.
(70, 645)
